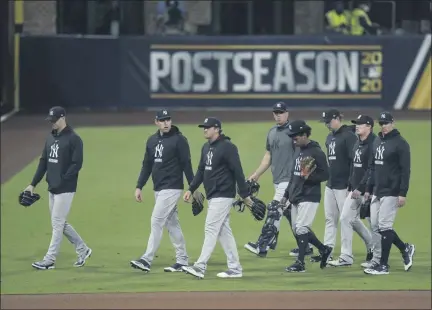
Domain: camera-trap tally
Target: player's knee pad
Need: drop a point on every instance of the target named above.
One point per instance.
(269, 230)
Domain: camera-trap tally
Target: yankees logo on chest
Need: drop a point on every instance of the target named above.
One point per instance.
(379, 154)
(332, 150)
(209, 160)
(158, 152)
(357, 162)
(53, 155)
(297, 164)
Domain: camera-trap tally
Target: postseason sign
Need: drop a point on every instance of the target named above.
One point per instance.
(266, 71)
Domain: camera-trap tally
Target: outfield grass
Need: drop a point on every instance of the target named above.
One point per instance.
(116, 227)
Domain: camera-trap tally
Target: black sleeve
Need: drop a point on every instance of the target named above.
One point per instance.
(366, 26)
(362, 187)
(405, 167)
(77, 149)
(185, 158)
(350, 141)
(146, 169)
(199, 175)
(370, 173)
(321, 172)
(41, 169)
(235, 166)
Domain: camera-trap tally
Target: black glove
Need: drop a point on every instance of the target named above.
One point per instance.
(197, 203)
(257, 208)
(365, 209)
(253, 187)
(26, 198)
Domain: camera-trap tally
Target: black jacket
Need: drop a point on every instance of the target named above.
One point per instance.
(389, 172)
(301, 190)
(339, 146)
(362, 156)
(61, 159)
(167, 157)
(220, 169)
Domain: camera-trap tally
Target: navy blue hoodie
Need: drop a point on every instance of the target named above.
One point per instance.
(389, 173)
(167, 157)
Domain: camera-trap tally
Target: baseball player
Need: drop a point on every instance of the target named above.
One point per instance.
(61, 160)
(166, 158)
(219, 170)
(350, 217)
(279, 155)
(304, 193)
(389, 174)
(339, 143)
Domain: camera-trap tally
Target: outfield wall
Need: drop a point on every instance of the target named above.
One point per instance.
(389, 72)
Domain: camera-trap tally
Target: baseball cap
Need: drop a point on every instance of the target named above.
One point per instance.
(163, 115)
(55, 113)
(297, 127)
(279, 107)
(385, 118)
(329, 115)
(363, 119)
(211, 122)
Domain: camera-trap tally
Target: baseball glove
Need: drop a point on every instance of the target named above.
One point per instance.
(307, 166)
(26, 198)
(254, 187)
(257, 208)
(197, 203)
(365, 209)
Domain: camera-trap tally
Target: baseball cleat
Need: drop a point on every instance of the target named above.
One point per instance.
(369, 264)
(43, 265)
(408, 255)
(295, 252)
(82, 258)
(377, 269)
(298, 266)
(174, 268)
(230, 274)
(194, 271)
(141, 264)
(340, 262)
(252, 247)
(325, 256)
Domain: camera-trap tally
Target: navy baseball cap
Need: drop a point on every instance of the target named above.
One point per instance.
(211, 122)
(329, 115)
(55, 113)
(363, 119)
(163, 115)
(385, 118)
(280, 107)
(297, 127)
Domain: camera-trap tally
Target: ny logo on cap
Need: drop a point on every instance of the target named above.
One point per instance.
(290, 127)
(278, 105)
(383, 115)
(324, 114)
(206, 120)
(359, 117)
(165, 112)
(51, 112)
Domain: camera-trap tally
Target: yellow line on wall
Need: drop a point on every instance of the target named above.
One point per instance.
(421, 99)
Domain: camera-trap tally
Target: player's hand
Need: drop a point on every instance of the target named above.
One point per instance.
(356, 194)
(253, 177)
(401, 201)
(248, 201)
(366, 196)
(138, 195)
(29, 188)
(187, 196)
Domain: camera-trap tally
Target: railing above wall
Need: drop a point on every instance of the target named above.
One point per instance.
(250, 71)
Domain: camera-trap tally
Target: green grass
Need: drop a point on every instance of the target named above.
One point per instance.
(105, 214)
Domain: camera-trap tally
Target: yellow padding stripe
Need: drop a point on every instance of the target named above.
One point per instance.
(421, 100)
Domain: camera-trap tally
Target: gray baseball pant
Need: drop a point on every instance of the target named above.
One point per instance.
(217, 226)
(59, 207)
(302, 216)
(350, 221)
(165, 214)
(334, 200)
(383, 214)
